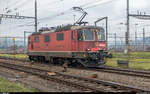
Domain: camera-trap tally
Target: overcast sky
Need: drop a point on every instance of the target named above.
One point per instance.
(50, 14)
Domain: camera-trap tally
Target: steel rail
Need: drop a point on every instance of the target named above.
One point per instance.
(43, 73)
(129, 72)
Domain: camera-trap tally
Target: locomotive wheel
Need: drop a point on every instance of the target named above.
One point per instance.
(82, 63)
(90, 63)
(31, 58)
(41, 59)
(58, 61)
(77, 64)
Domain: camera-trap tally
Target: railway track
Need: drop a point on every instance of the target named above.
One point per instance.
(129, 72)
(139, 73)
(85, 84)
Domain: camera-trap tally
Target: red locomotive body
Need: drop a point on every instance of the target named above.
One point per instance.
(77, 44)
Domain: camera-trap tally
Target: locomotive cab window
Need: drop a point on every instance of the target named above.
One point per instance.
(101, 34)
(86, 34)
(80, 35)
(36, 38)
(46, 38)
(60, 36)
(89, 34)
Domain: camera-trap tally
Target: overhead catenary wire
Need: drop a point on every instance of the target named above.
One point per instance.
(50, 3)
(9, 9)
(54, 2)
(89, 3)
(16, 8)
(13, 4)
(69, 11)
(64, 13)
(104, 2)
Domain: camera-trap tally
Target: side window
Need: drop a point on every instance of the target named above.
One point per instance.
(89, 34)
(80, 35)
(60, 36)
(101, 35)
(46, 38)
(36, 38)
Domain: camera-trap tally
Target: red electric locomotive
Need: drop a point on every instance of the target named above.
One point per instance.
(80, 45)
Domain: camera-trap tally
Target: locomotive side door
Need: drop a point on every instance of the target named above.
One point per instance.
(31, 45)
(31, 42)
(74, 40)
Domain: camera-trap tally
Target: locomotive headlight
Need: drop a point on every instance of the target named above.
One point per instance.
(88, 49)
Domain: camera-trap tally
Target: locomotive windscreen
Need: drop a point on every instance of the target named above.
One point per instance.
(101, 34)
(86, 34)
(89, 34)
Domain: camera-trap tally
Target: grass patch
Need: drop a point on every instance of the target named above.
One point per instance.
(132, 54)
(20, 56)
(7, 86)
(143, 66)
(134, 63)
(138, 60)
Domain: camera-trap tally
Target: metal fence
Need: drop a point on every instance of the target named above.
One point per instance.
(13, 44)
(117, 43)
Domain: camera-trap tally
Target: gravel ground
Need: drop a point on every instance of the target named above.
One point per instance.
(124, 79)
(31, 81)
